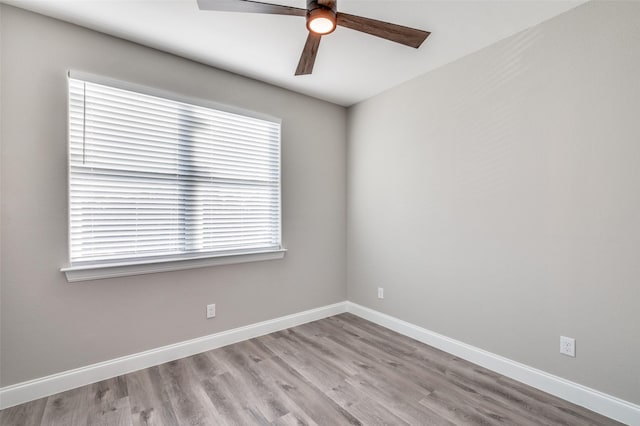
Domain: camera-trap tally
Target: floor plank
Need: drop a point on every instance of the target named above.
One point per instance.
(110, 412)
(29, 413)
(148, 399)
(189, 399)
(68, 408)
(341, 370)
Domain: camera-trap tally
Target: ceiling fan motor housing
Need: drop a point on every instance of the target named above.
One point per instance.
(316, 11)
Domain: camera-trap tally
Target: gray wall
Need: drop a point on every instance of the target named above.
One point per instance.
(497, 199)
(49, 325)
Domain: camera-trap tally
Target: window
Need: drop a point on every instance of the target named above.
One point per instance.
(154, 179)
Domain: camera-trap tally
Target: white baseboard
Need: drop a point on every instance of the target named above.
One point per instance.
(60, 382)
(594, 400)
(607, 405)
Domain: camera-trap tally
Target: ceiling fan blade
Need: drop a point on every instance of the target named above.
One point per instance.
(308, 57)
(398, 33)
(250, 6)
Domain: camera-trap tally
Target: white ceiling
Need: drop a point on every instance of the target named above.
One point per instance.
(350, 66)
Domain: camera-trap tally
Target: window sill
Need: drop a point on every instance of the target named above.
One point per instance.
(96, 272)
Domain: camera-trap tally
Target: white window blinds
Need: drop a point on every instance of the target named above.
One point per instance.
(154, 178)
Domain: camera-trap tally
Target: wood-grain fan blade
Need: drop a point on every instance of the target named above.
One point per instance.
(308, 57)
(398, 33)
(250, 7)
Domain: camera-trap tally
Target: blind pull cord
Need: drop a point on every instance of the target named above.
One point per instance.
(84, 121)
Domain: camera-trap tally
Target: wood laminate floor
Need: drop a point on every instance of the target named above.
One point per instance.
(337, 371)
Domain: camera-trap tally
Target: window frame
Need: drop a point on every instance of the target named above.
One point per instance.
(81, 271)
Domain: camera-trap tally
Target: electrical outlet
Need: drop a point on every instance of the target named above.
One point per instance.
(211, 310)
(380, 293)
(567, 346)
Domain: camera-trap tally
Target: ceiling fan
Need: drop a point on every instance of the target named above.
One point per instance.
(322, 19)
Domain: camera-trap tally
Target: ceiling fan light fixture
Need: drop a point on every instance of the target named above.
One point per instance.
(321, 21)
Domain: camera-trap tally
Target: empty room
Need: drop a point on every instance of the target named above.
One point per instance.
(319, 212)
